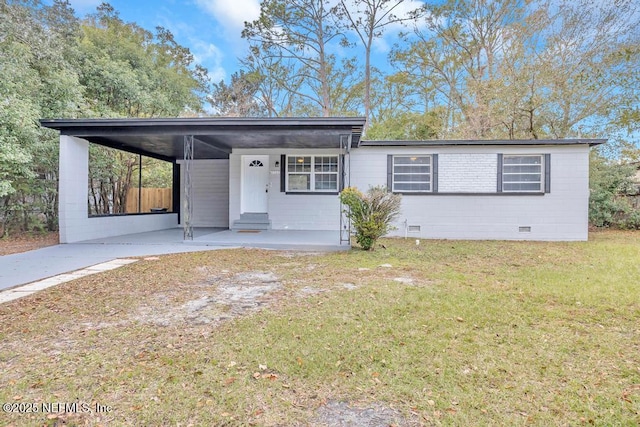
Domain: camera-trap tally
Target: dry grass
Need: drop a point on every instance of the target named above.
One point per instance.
(27, 242)
(452, 333)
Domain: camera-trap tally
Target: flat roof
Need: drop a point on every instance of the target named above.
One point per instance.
(214, 137)
(447, 142)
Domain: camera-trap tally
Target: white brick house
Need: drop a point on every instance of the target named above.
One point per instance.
(285, 174)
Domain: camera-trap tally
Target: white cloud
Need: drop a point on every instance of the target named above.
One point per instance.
(210, 56)
(232, 14)
(205, 53)
(381, 45)
(403, 10)
(83, 7)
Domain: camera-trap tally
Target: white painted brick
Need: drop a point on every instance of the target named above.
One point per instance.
(286, 211)
(560, 215)
(467, 173)
(75, 224)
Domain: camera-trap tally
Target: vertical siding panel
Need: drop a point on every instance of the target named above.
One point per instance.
(210, 193)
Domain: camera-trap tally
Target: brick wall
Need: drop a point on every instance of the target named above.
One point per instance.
(467, 173)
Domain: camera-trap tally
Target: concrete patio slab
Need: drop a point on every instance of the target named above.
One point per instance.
(304, 240)
(160, 237)
(266, 239)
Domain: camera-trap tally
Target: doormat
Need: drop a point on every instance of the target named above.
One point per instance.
(248, 231)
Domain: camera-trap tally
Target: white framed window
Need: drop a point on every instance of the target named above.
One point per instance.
(412, 174)
(523, 173)
(312, 173)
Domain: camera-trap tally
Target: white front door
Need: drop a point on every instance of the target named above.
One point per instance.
(255, 183)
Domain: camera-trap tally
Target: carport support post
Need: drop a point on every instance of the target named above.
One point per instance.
(345, 163)
(177, 190)
(188, 206)
(139, 183)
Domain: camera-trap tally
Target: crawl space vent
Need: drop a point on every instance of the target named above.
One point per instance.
(413, 229)
(526, 229)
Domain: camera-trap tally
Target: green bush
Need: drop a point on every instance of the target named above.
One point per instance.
(609, 183)
(371, 215)
(632, 220)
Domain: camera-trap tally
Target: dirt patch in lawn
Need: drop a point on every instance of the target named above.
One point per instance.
(27, 242)
(232, 297)
(220, 297)
(343, 414)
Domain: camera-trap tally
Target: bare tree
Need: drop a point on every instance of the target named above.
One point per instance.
(295, 35)
(368, 19)
(507, 68)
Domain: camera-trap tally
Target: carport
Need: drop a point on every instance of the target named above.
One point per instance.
(182, 141)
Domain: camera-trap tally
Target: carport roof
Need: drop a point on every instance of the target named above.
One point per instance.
(214, 137)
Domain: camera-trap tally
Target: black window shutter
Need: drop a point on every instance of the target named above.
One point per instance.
(547, 173)
(283, 171)
(389, 172)
(341, 172)
(434, 173)
(499, 173)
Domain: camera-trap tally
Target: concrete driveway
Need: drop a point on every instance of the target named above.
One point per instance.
(27, 267)
(19, 269)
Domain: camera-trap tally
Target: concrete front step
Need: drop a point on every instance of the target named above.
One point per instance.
(251, 226)
(252, 221)
(250, 216)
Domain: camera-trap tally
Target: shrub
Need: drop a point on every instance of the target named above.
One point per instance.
(632, 221)
(609, 183)
(371, 215)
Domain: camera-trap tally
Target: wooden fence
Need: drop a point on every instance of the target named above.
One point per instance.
(152, 198)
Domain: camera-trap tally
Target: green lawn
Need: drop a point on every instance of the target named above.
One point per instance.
(452, 333)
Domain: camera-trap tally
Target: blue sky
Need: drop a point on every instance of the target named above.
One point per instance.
(211, 29)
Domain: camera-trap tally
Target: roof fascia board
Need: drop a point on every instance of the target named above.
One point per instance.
(232, 122)
(519, 142)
